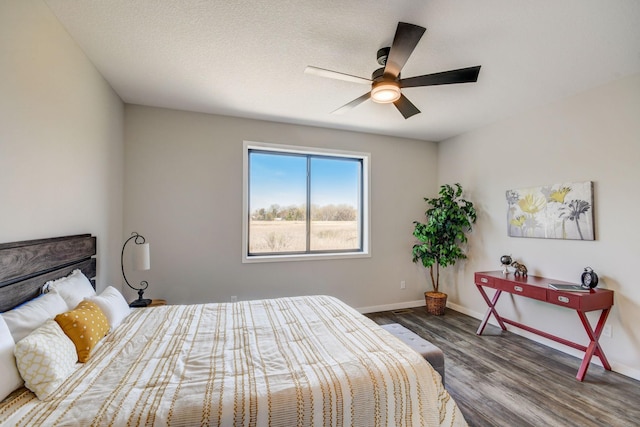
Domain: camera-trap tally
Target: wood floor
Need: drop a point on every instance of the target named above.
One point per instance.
(503, 379)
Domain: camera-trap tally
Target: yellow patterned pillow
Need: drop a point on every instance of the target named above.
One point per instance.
(85, 325)
(45, 358)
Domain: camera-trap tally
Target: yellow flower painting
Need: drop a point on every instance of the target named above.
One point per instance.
(559, 211)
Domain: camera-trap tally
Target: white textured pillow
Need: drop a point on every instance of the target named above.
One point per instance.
(45, 359)
(73, 288)
(11, 379)
(113, 305)
(29, 316)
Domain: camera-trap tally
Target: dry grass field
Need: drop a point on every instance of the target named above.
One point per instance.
(289, 236)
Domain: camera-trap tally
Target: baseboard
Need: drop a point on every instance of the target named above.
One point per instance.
(625, 370)
(389, 307)
(616, 367)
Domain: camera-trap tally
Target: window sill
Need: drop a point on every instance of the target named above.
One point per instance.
(303, 257)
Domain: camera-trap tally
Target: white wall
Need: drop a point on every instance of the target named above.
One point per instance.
(183, 192)
(61, 137)
(591, 137)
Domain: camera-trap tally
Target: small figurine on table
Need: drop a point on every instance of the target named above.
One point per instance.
(520, 269)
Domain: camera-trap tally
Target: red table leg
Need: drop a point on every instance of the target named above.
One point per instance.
(491, 310)
(594, 346)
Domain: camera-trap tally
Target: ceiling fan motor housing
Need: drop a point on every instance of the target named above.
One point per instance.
(378, 75)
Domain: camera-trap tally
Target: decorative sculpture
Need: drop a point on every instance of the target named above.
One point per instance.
(506, 261)
(520, 269)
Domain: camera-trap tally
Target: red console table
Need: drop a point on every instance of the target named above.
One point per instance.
(538, 288)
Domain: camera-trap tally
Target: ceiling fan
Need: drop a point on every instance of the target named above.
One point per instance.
(386, 84)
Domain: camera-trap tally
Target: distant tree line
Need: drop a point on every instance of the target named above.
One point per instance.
(299, 213)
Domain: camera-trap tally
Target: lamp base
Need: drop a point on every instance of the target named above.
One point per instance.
(140, 303)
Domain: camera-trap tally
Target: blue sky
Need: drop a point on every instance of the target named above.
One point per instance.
(281, 179)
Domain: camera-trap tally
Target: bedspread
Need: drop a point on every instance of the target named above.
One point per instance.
(303, 361)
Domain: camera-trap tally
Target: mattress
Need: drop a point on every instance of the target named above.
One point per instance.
(303, 361)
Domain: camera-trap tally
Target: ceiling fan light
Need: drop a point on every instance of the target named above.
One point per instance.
(385, 92)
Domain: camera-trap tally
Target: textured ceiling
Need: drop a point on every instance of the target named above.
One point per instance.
(247, 58)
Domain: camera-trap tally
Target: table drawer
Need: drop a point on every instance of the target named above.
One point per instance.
(529, 291)
(565, 299)
(484, 280)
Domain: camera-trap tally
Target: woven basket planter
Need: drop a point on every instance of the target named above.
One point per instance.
(436, 302)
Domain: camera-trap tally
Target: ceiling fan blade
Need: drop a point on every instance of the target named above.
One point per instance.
(335, 75)
(404, 42)
(462, 75)
(406, 108)
(352, 104)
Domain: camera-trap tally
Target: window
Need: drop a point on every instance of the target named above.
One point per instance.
(302, 203)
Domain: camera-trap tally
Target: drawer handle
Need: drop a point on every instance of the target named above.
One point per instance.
(518, 288)
(563, 299)
(484, 280)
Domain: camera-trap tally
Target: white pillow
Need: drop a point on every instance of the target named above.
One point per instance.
(113, 305)
(11, 379)
(29, 316)
(73, 288)
(45, 359)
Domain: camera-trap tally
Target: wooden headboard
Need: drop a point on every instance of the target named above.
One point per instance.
(26, 266)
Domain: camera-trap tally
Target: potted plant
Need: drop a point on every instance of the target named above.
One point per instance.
(441, 238)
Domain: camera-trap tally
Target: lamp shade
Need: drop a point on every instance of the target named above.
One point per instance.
(141, 258)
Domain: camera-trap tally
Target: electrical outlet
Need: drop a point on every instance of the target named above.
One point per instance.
(606, 331)
(403, 284)
(234, 299)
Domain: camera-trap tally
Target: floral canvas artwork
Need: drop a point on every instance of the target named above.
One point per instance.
(559, 211)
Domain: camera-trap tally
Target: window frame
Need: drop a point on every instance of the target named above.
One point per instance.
(365, 213)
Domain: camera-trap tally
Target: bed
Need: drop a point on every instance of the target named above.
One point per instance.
(300, 361)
